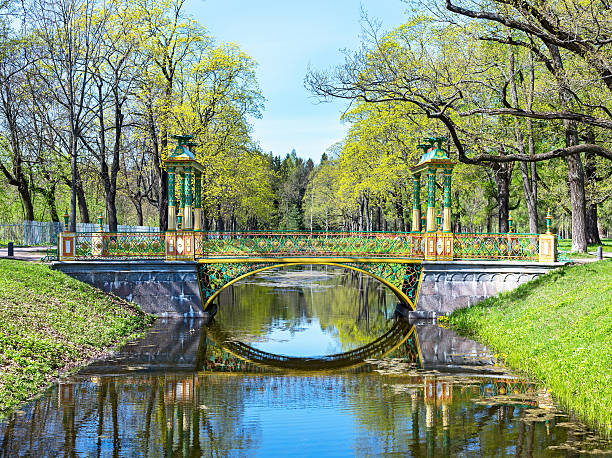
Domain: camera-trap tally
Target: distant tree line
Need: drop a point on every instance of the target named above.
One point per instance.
(91, 93)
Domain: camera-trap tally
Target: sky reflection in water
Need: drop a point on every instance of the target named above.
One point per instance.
(185, 390)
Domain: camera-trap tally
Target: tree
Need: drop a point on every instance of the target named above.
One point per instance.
(170, 41)
(321, 210)
(115, 74)
(445, 73)
(66, 40)
(13, 96)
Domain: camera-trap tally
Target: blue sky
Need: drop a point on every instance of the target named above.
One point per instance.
(284, 37)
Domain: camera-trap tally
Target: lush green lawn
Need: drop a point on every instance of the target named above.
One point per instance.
(558, 329)
(566, 245)
(49, 322)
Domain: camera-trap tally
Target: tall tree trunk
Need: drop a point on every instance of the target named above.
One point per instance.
(17, 177)
(575, 174)
(73, 188)
(205, 223)
(575, 171)
(361, 211)
(591, 223)
(163, 183)
(160, 172)
(49, 196)
(530, 198)
(530, 193)
(406, 215)
(138, 206)
(366, 211)
(400, 213)
(502, 172)
(82, 201)
(163, 197)
(220, 226)
(26, 199)
(111, 196)
(457, 223)
(592, 230)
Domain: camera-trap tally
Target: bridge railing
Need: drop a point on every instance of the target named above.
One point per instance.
(475, 246)
(295, 244)
(192, 245)
(116, 245)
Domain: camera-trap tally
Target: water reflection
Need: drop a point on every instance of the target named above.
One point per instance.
(400, 334)
(307, 311)
(385, 387)
(238, 407)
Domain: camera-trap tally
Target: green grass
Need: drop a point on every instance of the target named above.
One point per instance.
(50, 322)
(566, 245)
(558, 329)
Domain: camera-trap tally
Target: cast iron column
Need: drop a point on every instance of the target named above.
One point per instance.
(181, 186)
(447, 200)
(431, 200)
(416, 202)
(188, 212)
(171, 200)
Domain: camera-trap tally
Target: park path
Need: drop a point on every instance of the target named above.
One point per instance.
(30, 253)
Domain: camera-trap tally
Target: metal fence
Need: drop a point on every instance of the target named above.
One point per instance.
(298, 243)
(32, 233)
(496, 246)
(122, 245)
(146, 245)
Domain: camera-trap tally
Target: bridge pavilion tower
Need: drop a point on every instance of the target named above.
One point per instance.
(184, 186)
(438, 240)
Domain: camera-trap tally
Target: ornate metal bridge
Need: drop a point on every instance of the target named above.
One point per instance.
(225, 257)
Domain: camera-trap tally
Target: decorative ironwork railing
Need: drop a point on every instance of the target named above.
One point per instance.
(119, 245)
(279, 244)
(403, 245)
(496, 246)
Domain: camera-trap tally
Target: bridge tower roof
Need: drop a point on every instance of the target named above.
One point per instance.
(434, 155)
(182, 155)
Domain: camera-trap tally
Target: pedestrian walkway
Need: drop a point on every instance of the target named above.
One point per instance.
(29, 253)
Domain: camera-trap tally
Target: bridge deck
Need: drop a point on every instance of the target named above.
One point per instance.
(190, 245)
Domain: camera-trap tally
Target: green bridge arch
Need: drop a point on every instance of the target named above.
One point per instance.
(403, 277)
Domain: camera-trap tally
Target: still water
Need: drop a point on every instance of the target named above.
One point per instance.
(298, 362)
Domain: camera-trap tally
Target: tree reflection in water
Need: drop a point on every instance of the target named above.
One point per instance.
(187, 390)
(220, 410)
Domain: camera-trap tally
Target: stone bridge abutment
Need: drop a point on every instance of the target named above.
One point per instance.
(171, 288)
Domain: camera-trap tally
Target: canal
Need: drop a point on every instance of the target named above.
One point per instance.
(297, 362)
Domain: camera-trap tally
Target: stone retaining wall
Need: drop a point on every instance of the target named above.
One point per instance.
(171, 288)
(167, 289)
(447, 286)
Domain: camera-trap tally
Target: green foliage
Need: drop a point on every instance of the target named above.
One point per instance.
(50, 321)
(557, 329)
(292, 176)
(321, 210)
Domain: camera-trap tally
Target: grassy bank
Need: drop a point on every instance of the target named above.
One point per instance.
(558, 329)
(566, 245)
(50, 322)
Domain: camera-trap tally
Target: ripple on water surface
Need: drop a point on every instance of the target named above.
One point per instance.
(248, 385)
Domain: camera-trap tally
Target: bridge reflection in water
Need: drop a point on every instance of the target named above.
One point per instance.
(400, 333)
(202, 392)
